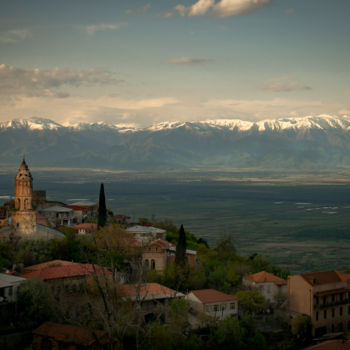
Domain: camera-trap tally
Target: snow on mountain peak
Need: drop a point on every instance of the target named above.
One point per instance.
(31, 124)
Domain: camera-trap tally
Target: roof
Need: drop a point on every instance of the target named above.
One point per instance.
(52, 263)
(337, 344)
(263, 277)
(332, 291)
(323, 277)
(212, 296)
(70, 334)
(58, 209)
(145, 229)
(161, 243)
(67, 271)
(120, 216)
(346, 276)
(83, 204)
(86, 226)
(147, 291)
(8, 280)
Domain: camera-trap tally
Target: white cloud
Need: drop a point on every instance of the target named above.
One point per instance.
(223, 8)
(284, 84)
(94, 28)
(188, 60)
(47, 82)
(13, 36)
(139, 10)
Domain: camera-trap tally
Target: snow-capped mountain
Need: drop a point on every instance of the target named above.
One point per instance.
(310, 142)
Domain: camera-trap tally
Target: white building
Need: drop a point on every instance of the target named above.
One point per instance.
(269, 285)
(8, 287)
(213, 303)
(58, 215)
(146, 233)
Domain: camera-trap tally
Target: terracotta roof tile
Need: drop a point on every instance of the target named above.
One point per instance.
(346, 276)
(212, 296)
(323, 277)
(52, 263)
(70, 334)
(144, 289)
(66, 271)
(338, 344)
(86, 226)
(263, 276)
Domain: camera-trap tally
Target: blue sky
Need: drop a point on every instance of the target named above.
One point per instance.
(148, 61)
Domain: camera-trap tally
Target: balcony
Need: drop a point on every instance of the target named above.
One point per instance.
(332, 303)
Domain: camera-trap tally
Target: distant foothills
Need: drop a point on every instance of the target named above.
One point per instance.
(308, 143)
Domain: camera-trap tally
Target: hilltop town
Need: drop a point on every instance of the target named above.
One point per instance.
(78, 276)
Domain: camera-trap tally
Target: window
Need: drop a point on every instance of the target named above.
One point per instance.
(223, 307)
(207, 308)
(324, 300)
(325, 314)
(316, 315)
(10, 291)
(215, 308)
(233, 306)
(341, 297)
(333, 298)
(340, 311)
(333, 312)
(153, 264)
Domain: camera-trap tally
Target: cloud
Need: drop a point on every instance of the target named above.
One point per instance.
(13, 36)
(344, 111)
(188, 60)
(223, 8)
(164, 15)
(289, 11)
(47, 82)
(94, 28)
(139, 10)
(284, 84)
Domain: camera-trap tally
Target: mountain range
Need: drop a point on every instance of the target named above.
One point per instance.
(307, 143)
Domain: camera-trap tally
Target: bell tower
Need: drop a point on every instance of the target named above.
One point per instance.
(23, 217)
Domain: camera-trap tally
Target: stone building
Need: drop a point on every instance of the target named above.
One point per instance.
(23, 216)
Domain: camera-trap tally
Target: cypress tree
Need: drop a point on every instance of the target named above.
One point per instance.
(102, 210)
(180, 257)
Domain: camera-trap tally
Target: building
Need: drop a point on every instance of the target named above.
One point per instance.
(213, 303)
(146, 233)
(23, 216)
(8, 287)
(269, 285)
(58, 215)
(121, 219)
(52, 335)
(86, 228)
(159, 254)
(325, 297)
(83, 211)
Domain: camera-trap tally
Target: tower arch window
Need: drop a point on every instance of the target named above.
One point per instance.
(153, 264)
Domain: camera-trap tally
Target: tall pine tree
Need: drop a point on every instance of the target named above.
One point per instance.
(180, 257)
(102, 210)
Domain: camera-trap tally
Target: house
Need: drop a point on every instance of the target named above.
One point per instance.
(336, 344)
(121, 219)
(213, 303)
(159, 254)
(83, 210)
(52, 335)
(8, 287)
(85, 228)
(269, 285)
(64, 275)
(58, 215)
(146, 233)
(324, 296)
(152, 298)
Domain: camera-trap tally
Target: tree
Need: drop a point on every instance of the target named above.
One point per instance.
(180, 257)
(301, 327)
(102, 210)
(35, 301)
(252, 301)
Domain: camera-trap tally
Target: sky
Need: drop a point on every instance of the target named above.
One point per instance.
(143, 62)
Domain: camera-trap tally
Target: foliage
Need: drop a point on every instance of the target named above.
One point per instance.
(102, 210)
(35, 301)
(251, 301)
(301, 327)
(180, 256)
(6, 255)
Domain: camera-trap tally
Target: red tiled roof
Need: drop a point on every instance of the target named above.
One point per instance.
(66, 271)
(70, 334)
(162, 243)
(119, 216)
(52, 263)
(212, 296)
(86, 226)
(323, 277)
(346, 276)
(144, 289)
(263, 276)
(337, 344)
